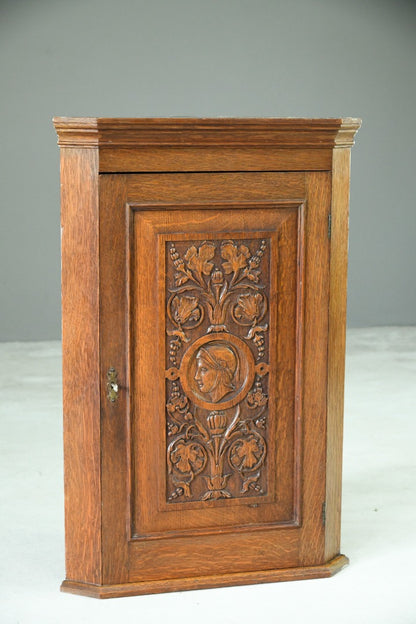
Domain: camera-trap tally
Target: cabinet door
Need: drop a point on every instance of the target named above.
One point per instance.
(214, 313)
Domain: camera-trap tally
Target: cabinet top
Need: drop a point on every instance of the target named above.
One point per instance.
(202, 132)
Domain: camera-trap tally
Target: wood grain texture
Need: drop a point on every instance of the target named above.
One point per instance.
(214, 553)
(273, 220)
(81, 378)
(222, 132)
(185, 158)
(151, 559)
(188, 188)
(208, 206)
(336, 347)
(132, 145)
(315, 345)
(114, 326)
(200, 582)
(186, 181)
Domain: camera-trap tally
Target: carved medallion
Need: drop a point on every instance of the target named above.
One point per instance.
(217, 369)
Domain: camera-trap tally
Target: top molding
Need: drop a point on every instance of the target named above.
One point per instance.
(92, 132)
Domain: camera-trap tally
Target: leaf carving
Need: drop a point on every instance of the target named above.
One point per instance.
(249, 306)
(247, 453)
(198, 259)
(185, 309)
(236, 257)
(188, 457)
(181, 278)
(253, 275)
(216, 287)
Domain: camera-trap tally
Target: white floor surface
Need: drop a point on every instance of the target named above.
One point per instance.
(379, 505)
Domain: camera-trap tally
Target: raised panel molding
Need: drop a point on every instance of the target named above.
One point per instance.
(230, 303)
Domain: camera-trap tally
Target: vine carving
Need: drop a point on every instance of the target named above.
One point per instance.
(217, 369)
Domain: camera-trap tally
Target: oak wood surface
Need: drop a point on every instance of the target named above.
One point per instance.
(240, 548)
(81, 377)
(336, 347)
(314, 365)
(184, 158)
(201, 221)
(151, 190)
(199, 582)
(184, 180)
(222, 144)
(222, 132)
(114, 327)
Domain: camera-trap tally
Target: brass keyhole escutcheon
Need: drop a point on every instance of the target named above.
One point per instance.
(112, 385)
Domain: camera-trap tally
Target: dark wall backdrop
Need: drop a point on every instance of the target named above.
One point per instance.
(307, 58)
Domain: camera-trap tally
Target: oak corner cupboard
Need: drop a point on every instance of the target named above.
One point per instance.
(204, 268)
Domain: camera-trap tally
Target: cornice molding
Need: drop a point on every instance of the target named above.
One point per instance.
(92, 132)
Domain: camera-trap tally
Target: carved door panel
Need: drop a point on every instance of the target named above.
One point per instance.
(215, 315)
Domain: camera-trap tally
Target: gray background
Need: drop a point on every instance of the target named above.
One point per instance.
(307, 58)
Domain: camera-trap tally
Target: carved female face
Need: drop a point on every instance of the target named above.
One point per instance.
(206, 376)
(215, 371)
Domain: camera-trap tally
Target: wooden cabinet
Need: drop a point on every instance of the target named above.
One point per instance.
(204, 289)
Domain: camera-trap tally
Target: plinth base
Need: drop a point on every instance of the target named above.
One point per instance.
(203, 582)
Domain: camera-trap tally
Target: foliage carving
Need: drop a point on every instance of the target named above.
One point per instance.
(217, 451)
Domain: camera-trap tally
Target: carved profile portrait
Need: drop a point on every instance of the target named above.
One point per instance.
(216, 370)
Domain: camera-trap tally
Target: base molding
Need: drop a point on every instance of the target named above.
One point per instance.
(324, 570)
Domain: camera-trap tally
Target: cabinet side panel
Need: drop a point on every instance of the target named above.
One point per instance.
(81, 398)
(316, 291)
(336, 347)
